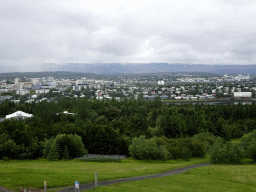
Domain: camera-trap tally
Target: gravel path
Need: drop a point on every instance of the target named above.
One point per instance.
(87, 186)
(2, 189)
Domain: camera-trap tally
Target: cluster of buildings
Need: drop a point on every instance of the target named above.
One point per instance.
(120, 88)
(225, 78)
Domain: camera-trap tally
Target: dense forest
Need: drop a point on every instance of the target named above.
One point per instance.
(108, 127)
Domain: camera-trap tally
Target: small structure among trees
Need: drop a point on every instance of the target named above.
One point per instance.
(18, 115)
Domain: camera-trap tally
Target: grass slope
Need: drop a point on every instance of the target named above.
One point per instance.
(213, 178)
(17, 175)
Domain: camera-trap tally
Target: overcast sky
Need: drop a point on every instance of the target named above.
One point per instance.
(99, 31)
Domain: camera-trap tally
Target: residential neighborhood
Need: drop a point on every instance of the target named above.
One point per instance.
(161, 87)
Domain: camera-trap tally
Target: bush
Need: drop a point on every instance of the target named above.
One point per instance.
(64, 147)
(251, 150)
(207, 138)
(125, 143)
(103, 139)
(217, 152)
(202, 137)
(142, 148)
(237, 130)
(234, 153)
(186, 154)
(6, 158)
(164, 154)
(228, 153)
(194, 148)
(102, 158)
(199, 149)
(161, 141)
(248, 138)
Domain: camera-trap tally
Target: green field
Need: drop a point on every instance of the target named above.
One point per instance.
(213, 178)
(17, 175)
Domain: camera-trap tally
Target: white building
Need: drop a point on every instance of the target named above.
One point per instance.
(18, 115)
(160, 82)
(22, 92)
(242, 94)
(42, 91)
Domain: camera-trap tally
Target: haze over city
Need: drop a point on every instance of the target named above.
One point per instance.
(190, 32)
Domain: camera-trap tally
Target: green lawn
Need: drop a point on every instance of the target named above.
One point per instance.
(213, 178)
(17, 175)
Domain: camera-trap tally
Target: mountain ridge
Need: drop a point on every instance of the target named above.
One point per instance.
(118, 68)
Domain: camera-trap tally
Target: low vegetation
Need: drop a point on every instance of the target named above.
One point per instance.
(232, 152)
(163, 148)
(226, 153)
(102, 158)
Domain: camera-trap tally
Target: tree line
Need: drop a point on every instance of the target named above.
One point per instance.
(108, 127)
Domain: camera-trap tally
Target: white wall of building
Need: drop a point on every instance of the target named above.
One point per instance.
(242, 94)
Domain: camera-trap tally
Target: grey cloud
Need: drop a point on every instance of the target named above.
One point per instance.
(238, 2)
(246, 49)
(120, 47)
(32, 32)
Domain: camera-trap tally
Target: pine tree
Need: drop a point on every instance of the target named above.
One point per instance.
(66, 153)
(54, 152)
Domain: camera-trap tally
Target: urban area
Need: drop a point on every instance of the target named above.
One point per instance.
(162, 87)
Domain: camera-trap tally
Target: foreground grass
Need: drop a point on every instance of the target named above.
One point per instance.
(17, 175)
(213, 178)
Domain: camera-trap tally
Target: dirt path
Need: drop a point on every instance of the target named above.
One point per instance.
(87, 186)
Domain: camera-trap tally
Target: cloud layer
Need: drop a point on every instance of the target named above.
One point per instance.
(203, 32)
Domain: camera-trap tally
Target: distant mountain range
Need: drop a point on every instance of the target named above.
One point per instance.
(118, 68)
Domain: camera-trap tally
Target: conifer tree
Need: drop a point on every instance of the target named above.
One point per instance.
(66, 153)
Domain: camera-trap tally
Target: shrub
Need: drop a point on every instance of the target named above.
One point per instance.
(175, 152)
(164, 154)
(186, 153)
(217, 152)
(161, 140)
(142, 148)
(233, 152)
(6, 158)
(125, 143)
(207, 146)
(228, 153)
(236, 130)
(64, 147)
(207, 138)
(102, 158)
(202, 137)
(251, 150)
(248, 138)
(8, 147)
(103, 139)
(199, 149)
(196, 148)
